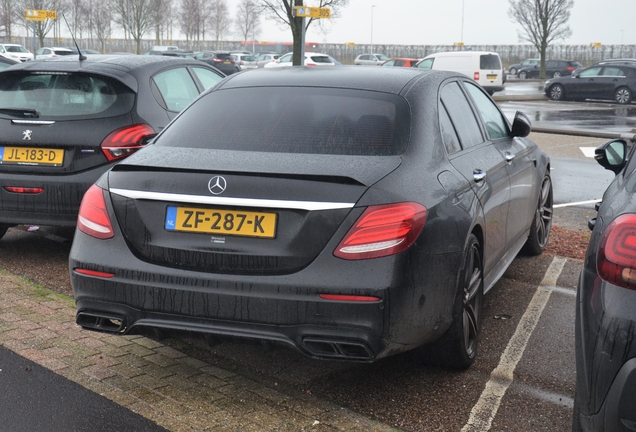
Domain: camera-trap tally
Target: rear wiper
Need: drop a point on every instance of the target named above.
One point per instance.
(20, 112)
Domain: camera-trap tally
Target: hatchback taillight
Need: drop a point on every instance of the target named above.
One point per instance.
(383, 230)
(93, 216)
(476, 76)
(125, 141)
(616, 260)
(570, 68)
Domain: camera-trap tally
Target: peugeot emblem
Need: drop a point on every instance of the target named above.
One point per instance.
(26, 135)
(217, 185)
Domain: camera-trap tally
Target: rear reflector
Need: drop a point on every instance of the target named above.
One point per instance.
(94, 273)
(383, 230)
(349, 298)
(616, 259)
(93, 216)
(23, 190)
(125, 141)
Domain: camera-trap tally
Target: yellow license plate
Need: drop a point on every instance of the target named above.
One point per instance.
(491, 77)
(216, 221)
(31, 155)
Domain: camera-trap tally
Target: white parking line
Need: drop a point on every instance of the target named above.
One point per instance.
(594, 201)
(484, 411)
(546, 395)
(588, 151)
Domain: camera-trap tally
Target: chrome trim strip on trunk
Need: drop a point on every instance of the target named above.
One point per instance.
(33, 122)
(240, 202)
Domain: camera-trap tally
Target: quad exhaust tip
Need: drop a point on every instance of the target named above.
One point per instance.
(102, 323)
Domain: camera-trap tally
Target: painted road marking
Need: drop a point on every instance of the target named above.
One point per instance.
(588, 151)
(484, 411)
(594, 201)
(545, 395)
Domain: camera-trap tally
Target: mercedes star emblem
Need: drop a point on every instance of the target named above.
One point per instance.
(217, 185)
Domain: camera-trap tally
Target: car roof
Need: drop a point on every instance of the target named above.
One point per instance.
(387, 80)
(121, 67)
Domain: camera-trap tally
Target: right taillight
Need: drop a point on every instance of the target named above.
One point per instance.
(616, 260)
(383, 230)
(125, 141)
(93, 216)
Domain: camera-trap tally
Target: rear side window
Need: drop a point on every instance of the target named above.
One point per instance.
(207, 77)
(66, 95)
(489, 61)
(320, 59)
(426, 64)
(294, 120)
(176, 87)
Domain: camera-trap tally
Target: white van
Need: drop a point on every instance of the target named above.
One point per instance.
(482, 66)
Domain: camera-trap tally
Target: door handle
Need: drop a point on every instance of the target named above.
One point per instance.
(478, 175)
(509, 157)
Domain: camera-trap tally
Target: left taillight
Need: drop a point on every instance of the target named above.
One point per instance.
(93, 216)
(616, 260)
(383, 230)
(476, 76)
(125, 141)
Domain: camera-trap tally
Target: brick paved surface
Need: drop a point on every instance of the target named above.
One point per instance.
(158, 382)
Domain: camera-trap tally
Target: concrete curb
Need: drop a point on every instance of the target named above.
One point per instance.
(173, 390)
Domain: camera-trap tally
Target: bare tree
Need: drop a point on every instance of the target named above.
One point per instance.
(542, 21)
(161, 16)
(101, 23)
(134, 17)
(282, 10)
(80, 17)
(41, 28)
(220, 21)
(7, 15)
(187, 17)
(248, 19)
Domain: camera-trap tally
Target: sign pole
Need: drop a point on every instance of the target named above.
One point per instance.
(302, 44)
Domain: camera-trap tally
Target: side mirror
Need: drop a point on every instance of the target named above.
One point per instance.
(521, 125)
(612, 155)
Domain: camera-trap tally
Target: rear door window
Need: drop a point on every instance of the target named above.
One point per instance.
(591, 72)
(176, 87)
(461, 115)
(489, 61)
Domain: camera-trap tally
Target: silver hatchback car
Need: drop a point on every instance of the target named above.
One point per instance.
(244, 61)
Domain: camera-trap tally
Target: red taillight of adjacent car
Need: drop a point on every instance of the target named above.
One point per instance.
(125, 141)
(383, 230)
(24, 190)
(476, 76)
(616, 260)
(94, 273)
(350, 298)
(570, 68)
(93, 216)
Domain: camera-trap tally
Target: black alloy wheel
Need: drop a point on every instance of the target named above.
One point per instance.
(623, 95)
(457, 348)
(557, 92)
(523, 75)
(542, 222)
(556, 74)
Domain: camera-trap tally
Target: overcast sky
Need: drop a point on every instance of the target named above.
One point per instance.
(439, 22)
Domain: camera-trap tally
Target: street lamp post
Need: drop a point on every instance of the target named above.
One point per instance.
(372, 6)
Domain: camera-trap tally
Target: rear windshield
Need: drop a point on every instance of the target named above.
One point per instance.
(321, 59)
(65, 95)
(294, 120)
(16, 49)
(489, 61)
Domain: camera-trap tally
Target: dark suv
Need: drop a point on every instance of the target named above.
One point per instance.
(553, 69)
(222, 60)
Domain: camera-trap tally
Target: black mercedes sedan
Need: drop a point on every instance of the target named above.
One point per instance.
(351, 213)
(606, 304)
(65, 122)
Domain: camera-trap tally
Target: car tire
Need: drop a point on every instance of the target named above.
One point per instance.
(556, 74)
(557, 92)
(523, 75)
(512, 71)
(622, 95)
(457, 348)
(576, 415)
(542, 220)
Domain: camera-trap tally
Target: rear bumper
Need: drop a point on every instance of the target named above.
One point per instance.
(57, 205)
(281, 308)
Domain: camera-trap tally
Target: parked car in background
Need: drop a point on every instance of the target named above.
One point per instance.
(263, 59)
(399, 62)
(63, 123)
(222, 60)
(15, 52)
(311, 59)
(553, 69)
(245, 61)
(174, 53)
(52, 52)
(483, 66)
(335, 210)
(370, 59)
(84, 51)
(6, 62)
(605, 304)
(610, 81)
(514, 68)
